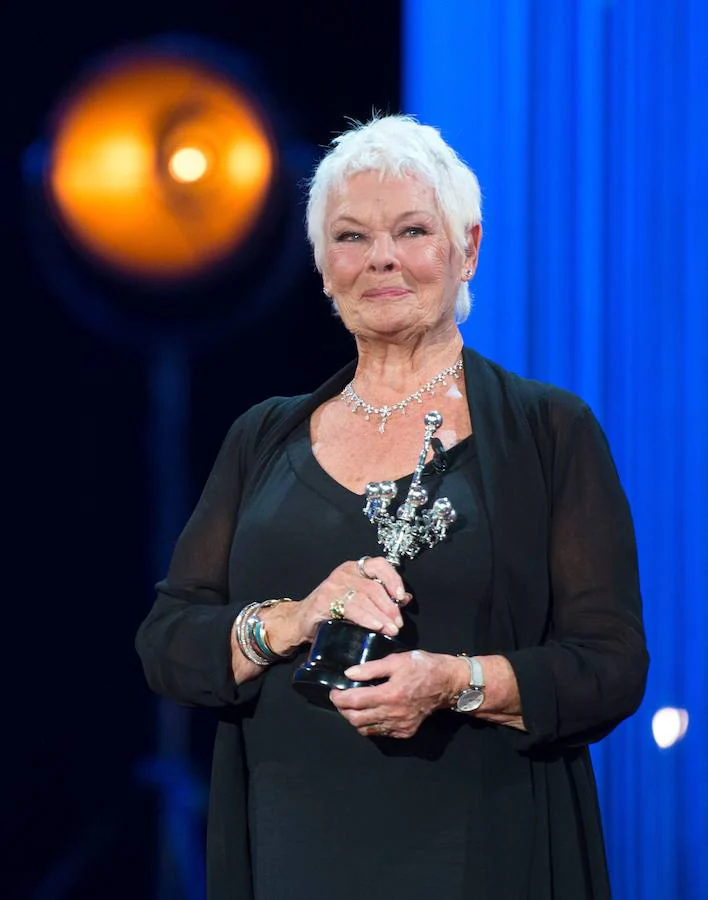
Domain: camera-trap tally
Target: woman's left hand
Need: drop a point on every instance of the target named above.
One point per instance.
(418, 683)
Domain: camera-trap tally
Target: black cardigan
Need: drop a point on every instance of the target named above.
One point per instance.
(565, 610)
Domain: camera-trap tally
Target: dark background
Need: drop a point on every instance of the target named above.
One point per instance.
(77, 820)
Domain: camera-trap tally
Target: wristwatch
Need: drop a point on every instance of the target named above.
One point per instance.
(472, 697)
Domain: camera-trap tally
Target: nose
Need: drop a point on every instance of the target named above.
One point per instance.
(382, 254)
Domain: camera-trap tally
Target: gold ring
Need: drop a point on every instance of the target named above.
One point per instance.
(378, 728)
(336, 607)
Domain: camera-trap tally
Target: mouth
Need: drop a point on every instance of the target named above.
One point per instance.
(385, 293)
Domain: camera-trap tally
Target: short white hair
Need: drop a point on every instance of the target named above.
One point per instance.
(397, 146)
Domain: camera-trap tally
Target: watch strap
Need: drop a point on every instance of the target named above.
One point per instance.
(476, 671)
(476, 681)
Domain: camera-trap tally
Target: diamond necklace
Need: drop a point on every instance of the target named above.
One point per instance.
(354, 401)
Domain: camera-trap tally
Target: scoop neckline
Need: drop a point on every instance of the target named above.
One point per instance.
(309, 469)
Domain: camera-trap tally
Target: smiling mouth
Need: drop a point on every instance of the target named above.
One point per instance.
(385, 292)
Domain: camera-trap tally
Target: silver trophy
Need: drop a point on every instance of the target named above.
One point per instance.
(409, 531)
(339, 644)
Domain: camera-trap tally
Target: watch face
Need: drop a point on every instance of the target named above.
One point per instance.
(470, 699)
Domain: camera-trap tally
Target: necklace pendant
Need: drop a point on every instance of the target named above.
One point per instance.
(384, 415)
(355, 402)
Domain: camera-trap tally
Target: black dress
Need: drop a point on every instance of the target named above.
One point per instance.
(331, 813)
(547, 555)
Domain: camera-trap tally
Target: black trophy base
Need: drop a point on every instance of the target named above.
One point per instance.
(339, 644)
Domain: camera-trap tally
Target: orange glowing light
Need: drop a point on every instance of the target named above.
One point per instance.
(188, 164)
(160, 167)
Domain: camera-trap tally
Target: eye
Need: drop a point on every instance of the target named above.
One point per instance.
(349, 236)
(413, 231)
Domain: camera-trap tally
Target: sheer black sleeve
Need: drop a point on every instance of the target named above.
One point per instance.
(591, 672)
(185, 641)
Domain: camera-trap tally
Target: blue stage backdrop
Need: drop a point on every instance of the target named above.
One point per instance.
(587, 123)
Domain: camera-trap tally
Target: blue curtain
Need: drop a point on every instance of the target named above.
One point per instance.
(587, 124)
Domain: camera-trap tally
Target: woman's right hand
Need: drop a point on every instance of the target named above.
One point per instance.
(372, 601)
(374, 604)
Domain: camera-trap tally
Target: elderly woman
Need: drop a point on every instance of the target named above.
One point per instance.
(462, 769)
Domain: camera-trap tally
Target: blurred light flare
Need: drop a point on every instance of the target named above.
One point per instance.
(247, 162)
(188, 164)
(669, 725)
(159, 167)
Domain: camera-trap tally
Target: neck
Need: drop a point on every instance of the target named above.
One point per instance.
(387, 371)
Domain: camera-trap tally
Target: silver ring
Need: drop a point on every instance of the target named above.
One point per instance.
(362, 571)
(364, 574)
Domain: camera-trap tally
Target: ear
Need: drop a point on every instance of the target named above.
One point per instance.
(326, 287)
(474, 239)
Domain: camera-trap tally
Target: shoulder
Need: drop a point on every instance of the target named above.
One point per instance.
(541, 403)
(265, 415)
(252, 427)
(556, 408)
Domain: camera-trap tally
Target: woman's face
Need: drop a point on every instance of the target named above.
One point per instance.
(389, 264)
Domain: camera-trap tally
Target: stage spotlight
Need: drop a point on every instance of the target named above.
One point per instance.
(668, 726)
(160, 166)
(188, 164)
(163, 180)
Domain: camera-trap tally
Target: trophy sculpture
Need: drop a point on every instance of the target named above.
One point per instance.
(338, 643)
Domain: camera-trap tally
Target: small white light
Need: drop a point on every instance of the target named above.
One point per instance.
(669, 726)
(188, 164)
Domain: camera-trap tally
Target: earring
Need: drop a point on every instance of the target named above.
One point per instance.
(468, 274)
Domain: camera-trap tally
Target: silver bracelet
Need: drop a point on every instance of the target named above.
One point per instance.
(251, 634)
(242, 626)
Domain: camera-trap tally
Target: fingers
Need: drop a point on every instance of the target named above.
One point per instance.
(390, 706)
(364, 710)
(360, 710)
(368, 671)
(379, 583)
(375, 695)
(378, 729)
(379, 569)
(356, 699)
(371, 607)
(365, 600)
